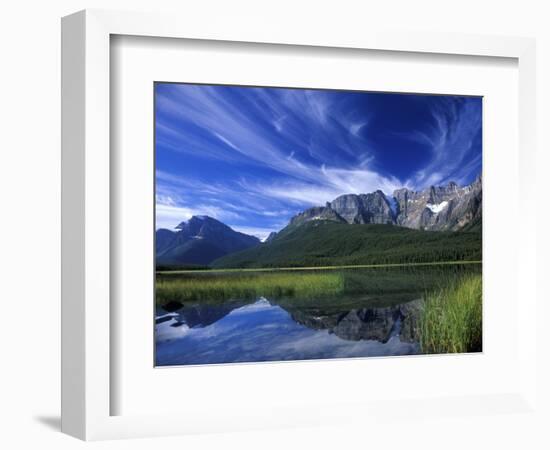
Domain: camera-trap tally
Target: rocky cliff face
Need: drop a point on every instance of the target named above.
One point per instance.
(363, 208)
(449, 207)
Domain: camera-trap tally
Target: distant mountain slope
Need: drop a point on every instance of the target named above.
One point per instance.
(199, 241)
(327, 243)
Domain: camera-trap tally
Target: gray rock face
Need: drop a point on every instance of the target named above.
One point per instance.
(437, 208)
(349, 207)
(363, 208)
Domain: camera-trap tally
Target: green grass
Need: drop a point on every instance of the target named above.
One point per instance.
(451, 320)
(313, 284)
(245, 286)
(321, 244)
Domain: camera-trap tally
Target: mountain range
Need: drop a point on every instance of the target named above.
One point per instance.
(393, 230)
(437, 208)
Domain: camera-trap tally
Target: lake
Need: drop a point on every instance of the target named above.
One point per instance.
(361, 313)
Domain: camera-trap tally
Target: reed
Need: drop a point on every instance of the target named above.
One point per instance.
(451, 319)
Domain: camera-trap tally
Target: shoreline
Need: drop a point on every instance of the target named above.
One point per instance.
(356, 266)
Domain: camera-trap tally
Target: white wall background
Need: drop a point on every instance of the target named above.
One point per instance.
(30, 198)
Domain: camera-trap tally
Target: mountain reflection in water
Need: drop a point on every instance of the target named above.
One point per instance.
(279, 330)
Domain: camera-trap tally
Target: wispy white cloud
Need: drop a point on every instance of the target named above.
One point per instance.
(456, 125)
(307, 180)
(299, 147)
(225, 141)
(170, 216)
(331, 183)
(355, 128)
(243, 134)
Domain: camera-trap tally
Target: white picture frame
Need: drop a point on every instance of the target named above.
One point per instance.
(86, 218)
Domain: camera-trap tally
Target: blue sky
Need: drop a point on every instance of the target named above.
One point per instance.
(254, 157)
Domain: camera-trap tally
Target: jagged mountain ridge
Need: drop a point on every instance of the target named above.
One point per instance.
(203, 240)
(436, 208)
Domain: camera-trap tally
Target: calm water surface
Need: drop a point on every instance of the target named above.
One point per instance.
(264, 331)
(378, 318)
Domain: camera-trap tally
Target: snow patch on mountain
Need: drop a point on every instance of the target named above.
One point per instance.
(437, 208)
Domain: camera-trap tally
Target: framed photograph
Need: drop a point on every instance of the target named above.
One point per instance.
(295, 210)
(297, 224)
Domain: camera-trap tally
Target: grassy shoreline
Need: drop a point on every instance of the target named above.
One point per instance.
(355, 266)
(247, 286)
(185, 286)
(449, 321)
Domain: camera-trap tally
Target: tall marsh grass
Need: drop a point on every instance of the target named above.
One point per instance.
(451, 320)
(212, 288)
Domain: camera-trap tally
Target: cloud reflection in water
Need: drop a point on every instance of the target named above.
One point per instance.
(261, 331)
